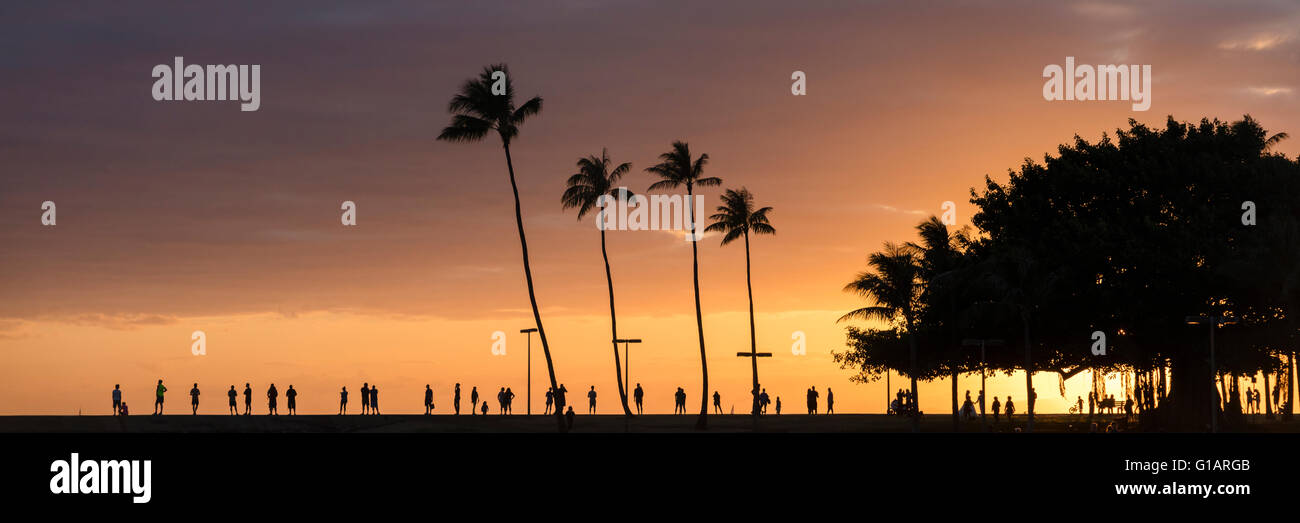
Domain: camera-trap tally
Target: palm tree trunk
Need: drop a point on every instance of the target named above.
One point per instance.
(753, 339)
(955, 423)
(1029, 378)
(911, 353)
(1290, 385)
(613, 328)
(532, 296)
(703, 421)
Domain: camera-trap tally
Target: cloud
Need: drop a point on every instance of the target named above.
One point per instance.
(1269, 91)
(118, 321)
(1258, 42)
(891, 208)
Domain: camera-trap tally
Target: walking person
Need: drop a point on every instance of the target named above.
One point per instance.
(117, 399)
(830, 400)
(428, 399)
(158, 398)
(1011, 408)
(997, 407)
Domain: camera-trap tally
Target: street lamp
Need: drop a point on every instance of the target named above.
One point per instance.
(970, 342)
(1214, 322)
(528, 394)
(626, 362)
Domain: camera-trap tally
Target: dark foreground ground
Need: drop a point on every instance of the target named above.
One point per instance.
(403, 423)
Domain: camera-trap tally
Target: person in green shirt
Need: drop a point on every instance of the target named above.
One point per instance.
(158, 401)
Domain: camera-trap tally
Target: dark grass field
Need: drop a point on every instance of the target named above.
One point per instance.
(407, 423)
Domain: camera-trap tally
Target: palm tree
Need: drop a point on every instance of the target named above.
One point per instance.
(676, 168)
(476, 111)
(583, 192)
(736, 218)
(893, 284)
(940, 255)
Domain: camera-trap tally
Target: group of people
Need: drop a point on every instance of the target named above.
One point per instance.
(904, 403)
(813, 395)
(272, 395)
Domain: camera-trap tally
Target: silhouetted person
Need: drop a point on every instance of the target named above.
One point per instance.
(271, 395)
(374, 399)
(679, 401)
(997, 409)
(485, 408)
(550, 397)
(1079, 405)
(117, 398)
(291, 400)
(778, 405)
(1033, 397)
(194, 400)
(248, 399)
(455, 402)
(428, 399)
(123, 411)
(830, 400)
(473, 401)
(763, 401)
(560, 400)
(158, 398)
(510, 400)
(1092, 403)
(981, 401)
(591, 400)
(568, 418)
(365, 398)
(717, 403)
(638, 395)
(343, 401)
(233, 395)
(501, 402)
(812, 400)
(1011, 408)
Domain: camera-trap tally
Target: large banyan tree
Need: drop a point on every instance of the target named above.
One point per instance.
(1127, 236)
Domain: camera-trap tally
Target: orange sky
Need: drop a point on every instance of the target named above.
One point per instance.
(175, 217)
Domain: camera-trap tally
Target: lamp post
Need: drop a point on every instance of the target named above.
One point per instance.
(969, 342)
(1214, 322)
(627, 386)
(528, 394)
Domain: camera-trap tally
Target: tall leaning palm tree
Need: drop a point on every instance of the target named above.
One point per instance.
(583, 192)
(477, 111)
(675, 169)
(737, 218)
(893, 284)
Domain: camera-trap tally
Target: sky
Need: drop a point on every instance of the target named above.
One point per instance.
(174, 217)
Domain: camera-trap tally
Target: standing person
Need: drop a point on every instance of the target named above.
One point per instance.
(365, 398)
(997, 406)
(271, 395)
(455, 402)
(717, 403)
(473, 401)
(591, 400)
(194, 400)
(559, 397)
(428, 399)
(568, 418)
(233, 394)
(778, 405)
(510, 401)
(981, 400)
(374, 399)
(248, 399)
(343, 401)
(1092, 404)
(1011, 409)
(638, 394)
(117, 398)
(291, 398)
(812, 399)
(1079, 405)
(158, 398)
(830, 400)
(501, 402)
(550, 397)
